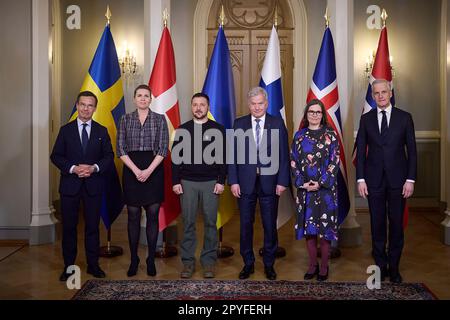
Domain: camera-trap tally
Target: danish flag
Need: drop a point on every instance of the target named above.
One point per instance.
(165, 101)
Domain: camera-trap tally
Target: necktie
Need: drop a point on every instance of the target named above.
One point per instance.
(258, 131)
(384, 125)
(84, 138)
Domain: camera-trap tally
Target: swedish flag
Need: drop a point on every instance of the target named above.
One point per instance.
(104, 80)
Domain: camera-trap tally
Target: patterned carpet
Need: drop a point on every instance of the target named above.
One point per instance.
(246, 290)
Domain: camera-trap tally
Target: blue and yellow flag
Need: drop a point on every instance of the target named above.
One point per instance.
(219, 86)
(104, 80)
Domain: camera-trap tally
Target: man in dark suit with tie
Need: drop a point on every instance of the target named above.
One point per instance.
(82, 152)
(259, 170)
(386, 173)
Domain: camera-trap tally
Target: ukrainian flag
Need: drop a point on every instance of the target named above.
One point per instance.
(104, 80)
(219, 86)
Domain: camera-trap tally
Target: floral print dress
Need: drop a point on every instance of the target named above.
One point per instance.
(315, 156)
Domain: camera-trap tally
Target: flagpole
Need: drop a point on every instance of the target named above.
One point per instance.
(335, 252)
(223, 251)
(280, 252)
(166, 251)
(109, 251)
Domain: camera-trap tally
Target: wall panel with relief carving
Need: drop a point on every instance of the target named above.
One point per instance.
(247, 27)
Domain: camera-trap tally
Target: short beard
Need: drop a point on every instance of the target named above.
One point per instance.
(202, 118)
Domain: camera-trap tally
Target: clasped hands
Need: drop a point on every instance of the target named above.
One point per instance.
(311, 186)
(84, 170)
(142, 175)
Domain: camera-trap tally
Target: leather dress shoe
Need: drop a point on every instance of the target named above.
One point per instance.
(323, 277)
(64, 275)
(246, 271)
(132, 270)
(309, 276)
(384, 273)
(270, 273)
(396, 277)
(151, 268)
(96, 272)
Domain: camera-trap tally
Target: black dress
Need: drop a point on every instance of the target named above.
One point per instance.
(143, 193)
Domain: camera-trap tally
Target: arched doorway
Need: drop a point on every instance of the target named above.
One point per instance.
(247, 27)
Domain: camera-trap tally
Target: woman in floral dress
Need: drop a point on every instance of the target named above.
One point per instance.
(314, 165)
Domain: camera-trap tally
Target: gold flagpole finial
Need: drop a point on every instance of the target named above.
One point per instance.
(108, 14)
(165, 17)
(275, 20)
(222, 16)
(384, 17)
(327, 18)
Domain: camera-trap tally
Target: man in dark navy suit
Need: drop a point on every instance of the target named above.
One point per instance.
(259, 170)
(82, 152)
(386, 172)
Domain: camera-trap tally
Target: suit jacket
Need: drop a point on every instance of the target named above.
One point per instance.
(244, 174)
(67, 152)
(386, 154)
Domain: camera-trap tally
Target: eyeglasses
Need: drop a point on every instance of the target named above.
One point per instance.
(314, 113)
(87, 106)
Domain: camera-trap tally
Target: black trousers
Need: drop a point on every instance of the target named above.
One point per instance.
(69, 208)
(268, 205)
(386, 204)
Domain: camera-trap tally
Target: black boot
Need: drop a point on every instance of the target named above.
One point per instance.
(134, 265)
(151, 268)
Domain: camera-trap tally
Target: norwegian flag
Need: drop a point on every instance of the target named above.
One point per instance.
(165, 101)
(324, 87)
(381, 70)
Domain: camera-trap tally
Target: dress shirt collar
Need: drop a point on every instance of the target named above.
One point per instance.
(80, 123)
(261, 123)
(135, 113)
(388, 109)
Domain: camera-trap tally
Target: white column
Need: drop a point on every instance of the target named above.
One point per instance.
(341, 24)
(42, 227)
(153, 26)
(445, 119)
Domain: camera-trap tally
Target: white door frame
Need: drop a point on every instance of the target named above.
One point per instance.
(300, 85)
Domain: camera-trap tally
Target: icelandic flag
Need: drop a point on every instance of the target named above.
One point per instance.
(271, 82)
(324, 87)
(104, 80)
(219, 86)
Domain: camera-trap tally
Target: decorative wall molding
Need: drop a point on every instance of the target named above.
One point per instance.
(251, 14)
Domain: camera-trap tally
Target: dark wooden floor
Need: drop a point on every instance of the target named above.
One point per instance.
(32, 272)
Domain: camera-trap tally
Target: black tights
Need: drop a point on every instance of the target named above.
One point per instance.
(151, 230)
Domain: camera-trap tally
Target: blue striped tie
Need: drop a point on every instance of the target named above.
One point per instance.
(258, 131)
